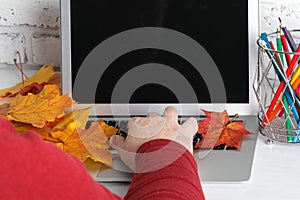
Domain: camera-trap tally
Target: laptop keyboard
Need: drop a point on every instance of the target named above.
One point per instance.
(123, 129)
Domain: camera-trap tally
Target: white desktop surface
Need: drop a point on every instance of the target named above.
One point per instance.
(275, 175)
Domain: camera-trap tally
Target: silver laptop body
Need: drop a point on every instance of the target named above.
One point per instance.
(217, 166)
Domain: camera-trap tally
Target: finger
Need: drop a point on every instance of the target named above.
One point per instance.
(138, 127)
(153, 114)
(133, 122)
(171, 114)
(117, 141)
(190, 126)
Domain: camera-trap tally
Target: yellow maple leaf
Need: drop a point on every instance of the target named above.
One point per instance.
(4, 109)
(38, 109)
(43, 132)
(91, 143)
(44, 75)
(49, 91)
(80, 117)
(108, 130)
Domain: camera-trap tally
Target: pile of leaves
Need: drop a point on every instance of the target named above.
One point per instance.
(37, 104)
(218, 129)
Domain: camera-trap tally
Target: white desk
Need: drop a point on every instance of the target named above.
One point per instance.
(275, 175)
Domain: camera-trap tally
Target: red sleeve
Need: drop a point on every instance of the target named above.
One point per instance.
(33, 169)
(166, 170)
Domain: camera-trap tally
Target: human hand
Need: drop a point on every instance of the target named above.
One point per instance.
(151, 127)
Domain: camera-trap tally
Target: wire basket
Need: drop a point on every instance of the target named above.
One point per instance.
(278, 117)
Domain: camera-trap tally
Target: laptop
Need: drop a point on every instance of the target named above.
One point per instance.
(127, 58)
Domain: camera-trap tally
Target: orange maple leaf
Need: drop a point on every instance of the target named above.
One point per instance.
(91, 143)
(218, 129)
(108, 130)
(39, 109)
(44, 75)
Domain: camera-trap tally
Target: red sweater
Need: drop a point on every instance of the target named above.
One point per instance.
(33, 169)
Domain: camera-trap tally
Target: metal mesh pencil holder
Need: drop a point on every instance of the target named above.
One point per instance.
(277, 93)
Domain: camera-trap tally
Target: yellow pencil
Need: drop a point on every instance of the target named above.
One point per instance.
(295, 75)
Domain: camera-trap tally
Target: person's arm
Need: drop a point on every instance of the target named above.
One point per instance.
(159, 151)
(33, 169)
(173, 173)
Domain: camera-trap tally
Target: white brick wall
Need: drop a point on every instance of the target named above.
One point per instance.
(32, 28)
(287, 10)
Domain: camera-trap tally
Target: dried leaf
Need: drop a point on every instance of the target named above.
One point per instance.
(37, 105)
(4, 109)
(211, 128)
(33, 88)
(38, 109)
(91, 143)
(218, 129)
(108, 130)
(42, 76)
(96, 142)
(233, 133)
(80, 117)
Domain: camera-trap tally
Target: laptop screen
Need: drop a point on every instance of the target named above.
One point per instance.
(159, 51)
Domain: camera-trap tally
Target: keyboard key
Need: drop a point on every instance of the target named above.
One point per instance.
(197, 138)
(231, 148)
(219, 147)
(112, 123)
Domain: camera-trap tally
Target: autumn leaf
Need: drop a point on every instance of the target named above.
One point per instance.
(108, 130)
(39, 109)
(44, 75)
(218, 129)
(96, 142)
(233, 133)
(37, 105)
(4, 109)
(80, 117)
(50, 89)
(211, 128)
(43, 132)
(91, 143)
(33, 88)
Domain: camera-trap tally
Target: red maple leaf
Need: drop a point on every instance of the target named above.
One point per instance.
(218, 129)
(33, 88)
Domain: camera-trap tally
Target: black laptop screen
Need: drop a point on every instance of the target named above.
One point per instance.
(218, 26)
